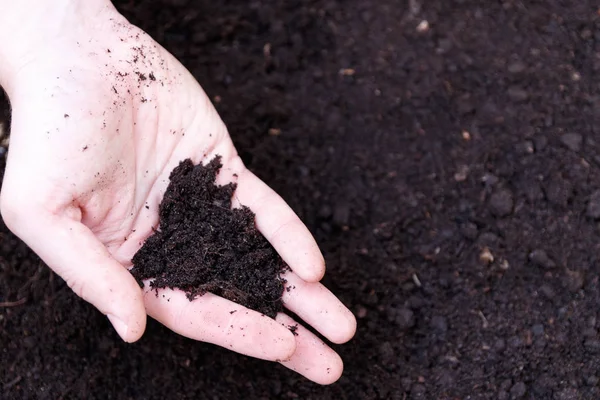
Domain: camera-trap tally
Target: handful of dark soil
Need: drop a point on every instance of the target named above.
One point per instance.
(203, 245)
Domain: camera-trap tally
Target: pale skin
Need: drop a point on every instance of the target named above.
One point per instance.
(100, 116)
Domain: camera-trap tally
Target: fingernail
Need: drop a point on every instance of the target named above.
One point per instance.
(120, 326)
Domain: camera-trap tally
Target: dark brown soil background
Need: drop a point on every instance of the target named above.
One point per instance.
(477, 139)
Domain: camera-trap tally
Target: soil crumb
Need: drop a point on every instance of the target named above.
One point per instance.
(204, 245)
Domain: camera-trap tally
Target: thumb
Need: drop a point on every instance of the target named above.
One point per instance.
(74, 253)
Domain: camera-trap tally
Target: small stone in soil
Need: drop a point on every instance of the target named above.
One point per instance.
(361, 312)
(325, 211)
(559, 191)
(540, 258)
(465, 105)
(405, 318)
(516, 67)
(486, 256)
(547, 291)
(517, 94)
(589, 332)
(572, 141)
(499, 344)
(488, 239)
(592, 345)
(505, 385)
(386, 353)
(341, 213)
(533, 191)
(516, 342)
(489, 179)
(525, 147)
(501, 203)
(439, 324)
(469, 230)
(592, 380)
(593, 207)
(418, 391)
(574, 281)
(540, 143)
(543, 385)
(518, 390)
(461, 173)
(445, 379)
(567, 394)
(537, 329)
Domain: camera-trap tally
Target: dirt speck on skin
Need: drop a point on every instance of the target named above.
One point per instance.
(294, 329)
(204, 245)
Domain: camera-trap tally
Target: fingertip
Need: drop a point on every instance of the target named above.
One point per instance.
(136, 329)
(313, 359)
(347, 328)
(312, 275)
(334, 371)
(313, 268)
(131, 326)
(319, 307)
(288, 345)
(127, 306)
(289, 348)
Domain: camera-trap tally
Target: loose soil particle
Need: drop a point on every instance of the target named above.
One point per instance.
(203, 245)
(356, 153)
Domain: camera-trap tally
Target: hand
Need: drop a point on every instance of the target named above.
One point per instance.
(101, 115)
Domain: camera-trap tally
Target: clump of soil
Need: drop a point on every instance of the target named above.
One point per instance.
(204, 245)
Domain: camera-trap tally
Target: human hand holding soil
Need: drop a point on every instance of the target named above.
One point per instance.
(101, 115)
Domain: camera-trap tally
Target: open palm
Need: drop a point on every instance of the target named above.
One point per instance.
(101, 116)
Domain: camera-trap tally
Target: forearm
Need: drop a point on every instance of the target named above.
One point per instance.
(28, 28)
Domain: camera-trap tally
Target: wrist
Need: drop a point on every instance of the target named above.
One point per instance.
(30, 28)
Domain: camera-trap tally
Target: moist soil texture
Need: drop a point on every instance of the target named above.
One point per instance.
(446, 156)
(203, 245)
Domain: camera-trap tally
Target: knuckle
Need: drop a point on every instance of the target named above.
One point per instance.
(236, 164)
(77, 286)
